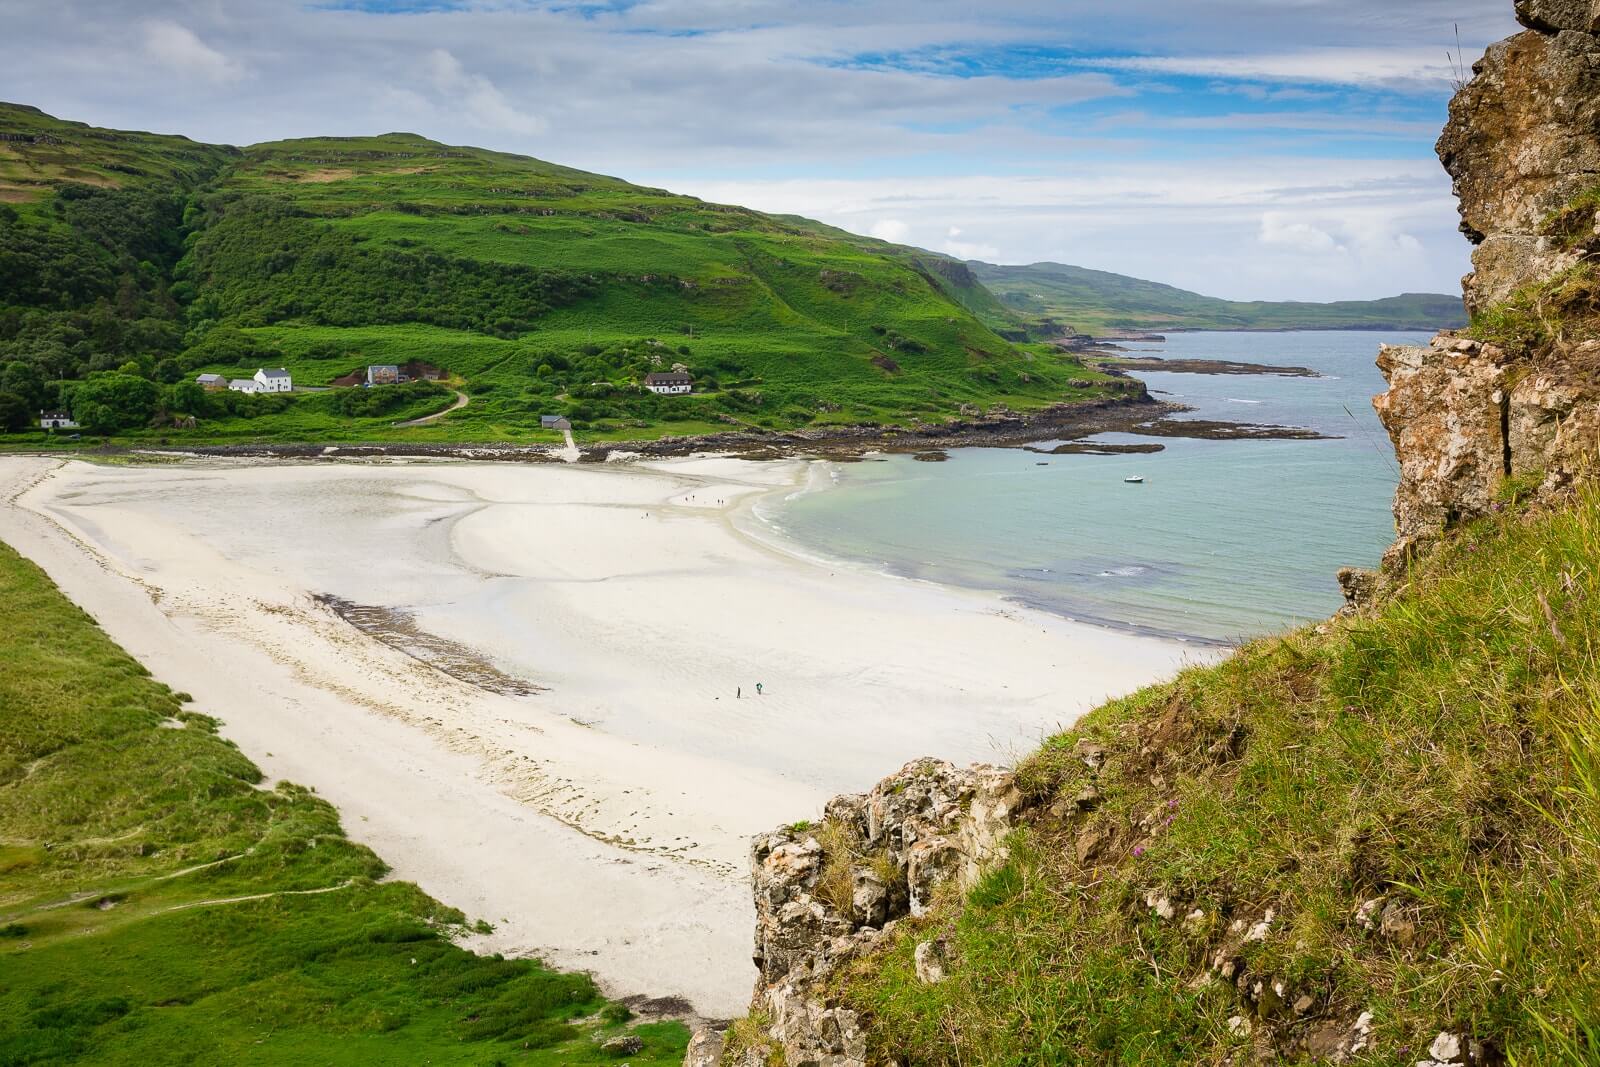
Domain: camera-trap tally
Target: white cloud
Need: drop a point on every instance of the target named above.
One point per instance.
(476, 98)
(182, 52)
(1402, 67)
(1279, 229)
(892, 230)
(967, 249)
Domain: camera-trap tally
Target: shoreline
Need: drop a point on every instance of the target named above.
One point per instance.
(626, 787)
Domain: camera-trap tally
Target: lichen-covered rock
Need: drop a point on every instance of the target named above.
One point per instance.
(1522, 142)
(705, 1049)
(1464, 416)
(1552, 16)
(928, 824)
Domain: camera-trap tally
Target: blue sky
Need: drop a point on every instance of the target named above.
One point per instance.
(1271, 149)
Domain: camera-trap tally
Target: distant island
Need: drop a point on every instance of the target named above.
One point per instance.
(1098, 302)
(439, 295)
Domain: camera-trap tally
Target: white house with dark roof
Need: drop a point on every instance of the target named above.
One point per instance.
(669, 383)
(56, 420)
(276, 380)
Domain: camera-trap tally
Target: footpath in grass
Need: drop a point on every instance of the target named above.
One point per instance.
(160, 903)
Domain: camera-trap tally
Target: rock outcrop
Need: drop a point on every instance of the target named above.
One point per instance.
(1522, 143)
(825, 894)
(1523, 148)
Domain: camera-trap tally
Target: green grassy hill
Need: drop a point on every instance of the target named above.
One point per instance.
(1393, 817)
(159, 903)
(1094, 302)
(538, 288)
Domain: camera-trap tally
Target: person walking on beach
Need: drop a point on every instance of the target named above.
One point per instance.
(758, 689)
(738, 691)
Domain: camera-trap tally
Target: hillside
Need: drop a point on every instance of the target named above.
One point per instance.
(538, 289)
(1097, 302)
(161, 903)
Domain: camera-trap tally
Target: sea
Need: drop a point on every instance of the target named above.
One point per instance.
(1223, 540)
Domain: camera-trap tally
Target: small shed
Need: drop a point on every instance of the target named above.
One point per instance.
(669, 383)
(211, 381)
(56, 420)
(554, 422)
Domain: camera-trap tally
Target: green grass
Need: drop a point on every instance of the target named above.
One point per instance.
(1443, 755)
(1093, 301)
(130, 836)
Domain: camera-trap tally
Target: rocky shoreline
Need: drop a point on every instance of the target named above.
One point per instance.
(1134, 413)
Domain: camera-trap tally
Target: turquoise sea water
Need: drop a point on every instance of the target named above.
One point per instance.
(1224, 540)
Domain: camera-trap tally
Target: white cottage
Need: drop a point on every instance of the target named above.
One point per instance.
(242, 385)
(56, 420)
(276, 380)
(671, 383)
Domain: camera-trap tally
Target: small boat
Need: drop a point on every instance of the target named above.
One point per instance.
(1134, 479)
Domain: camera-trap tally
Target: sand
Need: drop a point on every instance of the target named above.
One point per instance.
(537, 719)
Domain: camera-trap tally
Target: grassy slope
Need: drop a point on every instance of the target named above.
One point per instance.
(89, 155)
(1092, 301)
(1443, 755)
(126, 826)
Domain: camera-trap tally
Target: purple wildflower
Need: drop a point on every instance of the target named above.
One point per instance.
(1138, 850)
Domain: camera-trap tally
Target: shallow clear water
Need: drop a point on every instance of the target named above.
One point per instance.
(1224, 540)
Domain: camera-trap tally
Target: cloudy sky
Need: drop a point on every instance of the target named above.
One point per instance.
(1254, 149)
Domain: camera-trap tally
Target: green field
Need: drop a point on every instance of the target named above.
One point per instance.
(1097, 302)
(160, 903)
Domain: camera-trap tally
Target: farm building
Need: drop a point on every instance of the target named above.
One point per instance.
(56, 420)
(554, 422)
(669, 383)
(276, 380)
(243, 385)
(383, 374)
(211, 381)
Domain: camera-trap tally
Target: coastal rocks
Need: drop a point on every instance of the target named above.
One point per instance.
(705, 1049)
(1553, 16)
(1523, 141)
(1464, 416)
(1443, 413)
(625, 1045)
(827, 893)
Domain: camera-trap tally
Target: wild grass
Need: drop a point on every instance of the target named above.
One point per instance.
(1559, 311)
(159, 903)
(1440, 755)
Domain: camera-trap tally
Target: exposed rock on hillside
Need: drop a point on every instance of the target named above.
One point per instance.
(1522, 142)
(1464, 416)
(825, 894)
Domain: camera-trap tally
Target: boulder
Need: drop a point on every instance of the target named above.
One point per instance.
(1553, 16)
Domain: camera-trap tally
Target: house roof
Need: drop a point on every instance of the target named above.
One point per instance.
(277, 372)
(668, 378)
(55, 414)
(384, 366)
(210, 378)
(243, 381)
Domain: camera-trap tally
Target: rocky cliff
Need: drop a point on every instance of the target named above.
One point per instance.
(1516, 395)
(1481, 420)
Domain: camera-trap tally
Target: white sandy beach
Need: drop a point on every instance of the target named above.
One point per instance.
(603, 822)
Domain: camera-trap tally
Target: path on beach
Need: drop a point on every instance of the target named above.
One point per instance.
(461, 401)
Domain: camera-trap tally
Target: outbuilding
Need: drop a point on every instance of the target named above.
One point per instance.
(669, 383)
(243, 385)
(211, 381)
(555, 422)
(275, 380)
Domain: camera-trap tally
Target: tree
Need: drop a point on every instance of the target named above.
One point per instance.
(15, 412)
(186, 398)
(168, 371)
(115, 401)
(23, 380)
